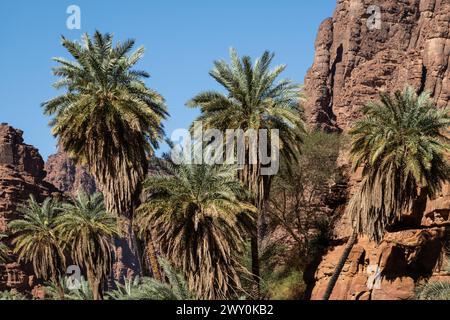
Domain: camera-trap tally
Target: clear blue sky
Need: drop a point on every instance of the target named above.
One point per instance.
(181, 37)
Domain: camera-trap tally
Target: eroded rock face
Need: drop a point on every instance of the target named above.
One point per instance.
(66, 176)
(21, 175)
(355, 61)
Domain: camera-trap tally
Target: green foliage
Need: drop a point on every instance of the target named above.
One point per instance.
(401, 145)
(196, 213)
(87, 230)
(434, 290)
(83, 292)
(288, 286)
(36, 240)
(107, 119)
(298, 199)
(281, 278)
(151, 289)
(253, 100)
(11, 295)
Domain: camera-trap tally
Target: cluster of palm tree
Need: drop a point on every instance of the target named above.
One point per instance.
(110, 121)
(200, 217)
(254, 100)
(50, 233)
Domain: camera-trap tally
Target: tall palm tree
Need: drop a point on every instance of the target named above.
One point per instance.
(109, 121)
(36, 240)
(401, 144)
(254, 100)
(3, 250)
(196, 213)
(87, 231)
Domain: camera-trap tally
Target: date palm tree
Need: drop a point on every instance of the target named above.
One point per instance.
(401, 145)
(109, 121)
(36, 241)
(196, 213)
(87, 231)
(254, 100)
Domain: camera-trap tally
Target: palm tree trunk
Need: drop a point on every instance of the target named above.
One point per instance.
(59, 287)
(94, 283)
(255, 264)
(153, 259)
(127, 263)
(348, 248)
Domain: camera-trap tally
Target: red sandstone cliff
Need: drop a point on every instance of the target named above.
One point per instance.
(21, 175)
(354, 61)
(66, 176)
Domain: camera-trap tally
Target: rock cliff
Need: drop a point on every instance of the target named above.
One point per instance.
(373, 45)
(66, 176)
(21, 175)
(368, 46)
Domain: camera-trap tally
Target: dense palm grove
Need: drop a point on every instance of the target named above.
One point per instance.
(204, 231)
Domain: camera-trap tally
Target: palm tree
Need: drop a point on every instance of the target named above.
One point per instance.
(109, 121)
(400, 145)
(196, 214)
(254, 100)
(36, 240)
(3, 250)
(87, 231)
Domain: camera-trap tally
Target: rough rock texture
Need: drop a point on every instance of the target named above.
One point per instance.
(352, 64)
(21, 175)
(66, 176)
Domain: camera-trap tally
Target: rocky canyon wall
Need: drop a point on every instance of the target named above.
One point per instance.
(66, 176)
(21, 174)
(358, 53)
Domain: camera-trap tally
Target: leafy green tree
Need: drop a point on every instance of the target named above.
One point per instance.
(254, 100)
(298, 198)
(36, 240)
(400, 145)
(197, 213)
(109, 121)
(87, 231)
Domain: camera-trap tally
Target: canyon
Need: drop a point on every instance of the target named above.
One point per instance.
(352, 64)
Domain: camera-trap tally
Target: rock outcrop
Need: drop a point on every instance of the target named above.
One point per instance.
(21, 175)
(358, 54)
(66, 176)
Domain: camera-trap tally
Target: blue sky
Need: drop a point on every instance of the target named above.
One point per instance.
(181, 37)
